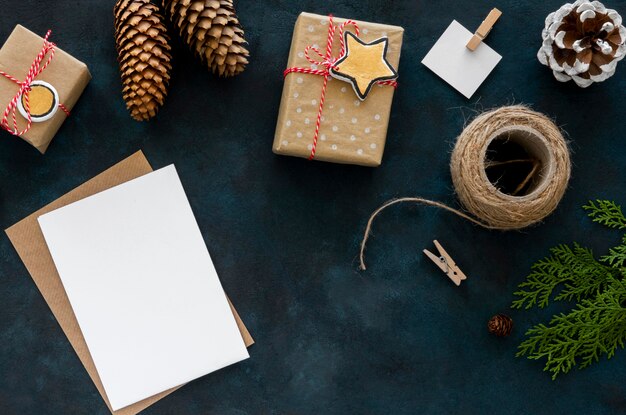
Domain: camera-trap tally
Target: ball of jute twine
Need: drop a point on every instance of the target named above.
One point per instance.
(487, 206)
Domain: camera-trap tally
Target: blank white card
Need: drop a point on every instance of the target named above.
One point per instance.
(142, 285)
(454, 63)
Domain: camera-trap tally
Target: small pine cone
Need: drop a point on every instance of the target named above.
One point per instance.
(583, 42)
(500, 325)
(144, 56)
(212, 30)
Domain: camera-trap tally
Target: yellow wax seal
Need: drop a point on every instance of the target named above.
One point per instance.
(43, 101)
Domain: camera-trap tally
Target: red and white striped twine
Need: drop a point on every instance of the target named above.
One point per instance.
(327, 61)
(35, 69)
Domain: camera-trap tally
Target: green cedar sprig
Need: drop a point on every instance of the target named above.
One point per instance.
(597, 325)
(607, 213)
(579, 338)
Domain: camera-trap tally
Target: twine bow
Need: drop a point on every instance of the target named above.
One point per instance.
(36, 68)
(326, 62)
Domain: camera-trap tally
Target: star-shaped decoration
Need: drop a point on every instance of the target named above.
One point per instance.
(363, 64)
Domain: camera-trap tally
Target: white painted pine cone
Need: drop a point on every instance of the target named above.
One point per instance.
(583, 41)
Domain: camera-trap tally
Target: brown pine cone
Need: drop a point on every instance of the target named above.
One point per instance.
(144, 56)
(212, 30)
(583, 41)
(500, 325)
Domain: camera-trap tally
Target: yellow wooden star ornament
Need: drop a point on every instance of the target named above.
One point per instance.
(363, 64)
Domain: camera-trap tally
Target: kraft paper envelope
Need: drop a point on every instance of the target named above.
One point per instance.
(28, 240)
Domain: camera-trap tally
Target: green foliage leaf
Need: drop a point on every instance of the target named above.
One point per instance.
(616, 256)
(574, 269)
(597, 325)
(579, 338)
(607, 213)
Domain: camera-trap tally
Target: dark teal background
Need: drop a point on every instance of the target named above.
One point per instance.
(284, 233)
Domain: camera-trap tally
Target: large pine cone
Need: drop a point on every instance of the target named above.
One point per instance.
(144, 56)
(212, 30)
(583, 41)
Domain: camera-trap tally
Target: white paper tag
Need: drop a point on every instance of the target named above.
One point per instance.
(460, 67)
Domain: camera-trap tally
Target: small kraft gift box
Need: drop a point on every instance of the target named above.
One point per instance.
(339, 84)
(39, 85)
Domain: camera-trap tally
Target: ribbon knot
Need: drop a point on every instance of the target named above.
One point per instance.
(326, 62)
(37, 67)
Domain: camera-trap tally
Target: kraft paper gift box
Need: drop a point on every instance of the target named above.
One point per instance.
(351, 131)
(67, 75)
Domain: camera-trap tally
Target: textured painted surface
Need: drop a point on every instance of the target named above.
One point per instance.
(284, 232)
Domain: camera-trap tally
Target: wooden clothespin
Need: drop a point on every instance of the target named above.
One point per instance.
(484, 29)
(446, 264)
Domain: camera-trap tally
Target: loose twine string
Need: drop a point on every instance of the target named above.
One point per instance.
(486, 206)
(37, 67)
(327, 62)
